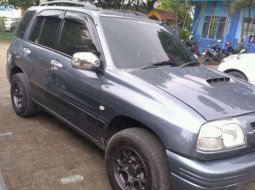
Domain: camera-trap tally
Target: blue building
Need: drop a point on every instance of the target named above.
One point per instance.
(215, 20)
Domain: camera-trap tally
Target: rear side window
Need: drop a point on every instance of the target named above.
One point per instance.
(49, 33)
(75, 38)
(35, 34)
(24, 23)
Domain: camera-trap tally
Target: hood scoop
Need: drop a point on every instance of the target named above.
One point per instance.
(218, 81)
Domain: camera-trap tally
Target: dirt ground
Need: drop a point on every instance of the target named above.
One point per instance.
(41, 153)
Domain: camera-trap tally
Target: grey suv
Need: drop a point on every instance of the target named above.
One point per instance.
(129, 85)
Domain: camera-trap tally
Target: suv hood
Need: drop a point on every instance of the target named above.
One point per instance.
(212, 94)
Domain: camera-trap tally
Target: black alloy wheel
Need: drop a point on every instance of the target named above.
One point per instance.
(18, 96)
(130, 169)
(136, 160)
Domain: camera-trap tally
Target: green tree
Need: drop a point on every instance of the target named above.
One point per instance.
(24, 4)
(183, 10)
(241, 4)
(134, 5)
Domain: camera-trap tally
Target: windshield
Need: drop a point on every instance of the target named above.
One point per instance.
(137, 44)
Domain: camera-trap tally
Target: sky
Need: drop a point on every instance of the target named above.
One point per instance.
(9, 12)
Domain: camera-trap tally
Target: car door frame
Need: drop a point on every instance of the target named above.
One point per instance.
(90, 24)
(38, 91)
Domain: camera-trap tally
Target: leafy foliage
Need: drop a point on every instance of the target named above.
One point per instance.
(239, 4)
(183, 9)
(184, 35)
(20, 3)
(134, 5)
(137, 5)
(1, 24)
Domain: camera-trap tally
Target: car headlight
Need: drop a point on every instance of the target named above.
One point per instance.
(220, 135)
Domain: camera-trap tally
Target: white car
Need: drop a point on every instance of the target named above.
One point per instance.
(240, 65)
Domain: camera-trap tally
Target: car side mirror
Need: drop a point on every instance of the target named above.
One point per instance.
(242, 51)
(85, 61)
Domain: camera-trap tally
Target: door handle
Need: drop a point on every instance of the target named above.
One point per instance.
(26, 51)
(56, 64)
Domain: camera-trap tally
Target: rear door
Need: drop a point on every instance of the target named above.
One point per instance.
(42, 41)
(75, 91)
(19, 40)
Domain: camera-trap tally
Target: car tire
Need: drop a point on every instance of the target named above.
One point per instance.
(21, 98)
(136, 159)
(238, 75)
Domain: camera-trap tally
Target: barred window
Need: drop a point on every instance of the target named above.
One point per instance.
(248, 26)
(214, 27)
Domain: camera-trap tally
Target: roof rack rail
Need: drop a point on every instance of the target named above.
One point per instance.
(69, 3)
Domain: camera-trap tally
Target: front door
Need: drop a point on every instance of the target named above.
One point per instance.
(75, 91)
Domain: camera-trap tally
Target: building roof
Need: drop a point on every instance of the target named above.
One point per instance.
(162, 15)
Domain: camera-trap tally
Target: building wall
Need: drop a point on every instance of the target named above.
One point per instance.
(214, 8)
(10, 12)
(233, 27)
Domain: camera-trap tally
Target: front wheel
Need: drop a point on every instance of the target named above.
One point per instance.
(136, 160)
(238, 75)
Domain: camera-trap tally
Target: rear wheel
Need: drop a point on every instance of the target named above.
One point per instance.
(20, 95)
(136, 160)
(238, 75)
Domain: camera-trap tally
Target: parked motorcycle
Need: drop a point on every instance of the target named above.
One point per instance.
(229, 49)
(193, 46)
(214, 53)
(195, 49)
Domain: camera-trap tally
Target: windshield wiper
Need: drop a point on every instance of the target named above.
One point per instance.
(163, 63)
(191, 63)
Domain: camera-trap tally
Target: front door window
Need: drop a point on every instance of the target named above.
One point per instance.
(75, 38)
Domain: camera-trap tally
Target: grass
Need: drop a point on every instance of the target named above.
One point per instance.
(6, 36)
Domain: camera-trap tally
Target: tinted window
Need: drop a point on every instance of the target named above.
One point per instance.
(24, 23)
(75, 38)
(34, 36)
(135, 44)
(49, 34)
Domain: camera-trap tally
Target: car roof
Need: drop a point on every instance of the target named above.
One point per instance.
(95, 11)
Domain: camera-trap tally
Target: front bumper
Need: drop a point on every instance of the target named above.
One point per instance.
(224, 174)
